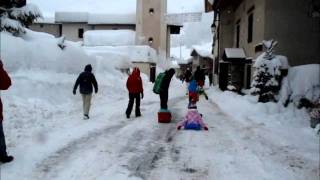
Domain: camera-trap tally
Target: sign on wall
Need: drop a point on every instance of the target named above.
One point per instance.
(179, 19)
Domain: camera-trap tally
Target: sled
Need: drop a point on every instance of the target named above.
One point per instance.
(164, 116)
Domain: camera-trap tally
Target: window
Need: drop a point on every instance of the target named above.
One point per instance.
(151, 11)
(238, 34)
(80, 33)
(250, 27)
(41, 26)
(150, 40)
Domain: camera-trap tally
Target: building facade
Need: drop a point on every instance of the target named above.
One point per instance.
(73, 28)
(295, 24)
(151, 28)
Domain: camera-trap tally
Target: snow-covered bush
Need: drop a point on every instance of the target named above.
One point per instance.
(267, 74)
(15, 19)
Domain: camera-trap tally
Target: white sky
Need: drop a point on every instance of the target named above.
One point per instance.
(48, 7)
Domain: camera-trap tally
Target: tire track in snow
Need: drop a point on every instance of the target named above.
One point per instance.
(49, 167)
(141, 165)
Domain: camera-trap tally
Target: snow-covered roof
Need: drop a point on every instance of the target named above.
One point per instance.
(72, 17)
(47, 20)
(234, 53)
(92, 18)
(109, 38)
(111, 18)
(204, 50)
(185, 52)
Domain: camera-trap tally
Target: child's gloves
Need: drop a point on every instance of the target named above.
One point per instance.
(206, 128)
(179, 127)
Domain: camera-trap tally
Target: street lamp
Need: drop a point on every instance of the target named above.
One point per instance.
(213, 28)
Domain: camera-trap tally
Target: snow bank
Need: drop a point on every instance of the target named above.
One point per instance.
(109, 38)
(19, 53)
(301, 82)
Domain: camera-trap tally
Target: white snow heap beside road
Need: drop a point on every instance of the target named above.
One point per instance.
(301, 82)
(40, 51)
(109, 38)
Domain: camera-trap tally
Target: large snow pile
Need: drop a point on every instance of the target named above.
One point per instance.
(43, 74)
(18, 53)
(109, 38)
(301, 82)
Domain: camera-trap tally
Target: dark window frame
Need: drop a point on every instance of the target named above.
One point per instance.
(80, 33)
(250, 27)
(238, 29)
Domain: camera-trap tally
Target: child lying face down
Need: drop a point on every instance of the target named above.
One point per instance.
(193, 120)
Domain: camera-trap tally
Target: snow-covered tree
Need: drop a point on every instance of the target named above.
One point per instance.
(14, 18)
(267, 74)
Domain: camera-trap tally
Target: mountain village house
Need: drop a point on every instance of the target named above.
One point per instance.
(244, 24)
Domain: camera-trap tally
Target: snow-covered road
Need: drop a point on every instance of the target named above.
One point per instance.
(109, 146)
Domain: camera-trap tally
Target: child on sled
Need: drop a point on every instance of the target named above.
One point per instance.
(193, 120)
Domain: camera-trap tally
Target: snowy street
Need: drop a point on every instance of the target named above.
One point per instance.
(236, 82)
(110, 146)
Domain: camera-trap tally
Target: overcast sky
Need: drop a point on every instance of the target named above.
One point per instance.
(48, 7)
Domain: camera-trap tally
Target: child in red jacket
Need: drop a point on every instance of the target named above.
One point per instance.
(5, 83)
(134, 86)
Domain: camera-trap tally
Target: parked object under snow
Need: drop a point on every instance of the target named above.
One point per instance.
(109, 38)
(301, 82)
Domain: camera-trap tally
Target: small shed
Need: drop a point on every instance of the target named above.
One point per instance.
(234, 70)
